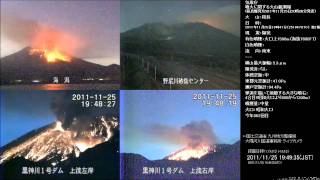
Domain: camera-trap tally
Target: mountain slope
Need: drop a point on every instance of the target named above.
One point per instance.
(190, 41)
(23, 66)
(187, 50)
(225, 161)
(62, 151)
(104, 159)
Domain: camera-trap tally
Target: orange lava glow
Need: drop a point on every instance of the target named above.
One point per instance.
(54, 45)
(50, 56)
(191, 152)
(56, 144)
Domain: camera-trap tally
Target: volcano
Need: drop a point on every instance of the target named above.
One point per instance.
(183, 50)
(29, 66)
(53, 145)
(190, 39)
(191, 152)
(223, 158)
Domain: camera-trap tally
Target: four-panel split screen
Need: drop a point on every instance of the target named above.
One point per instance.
(131, 89)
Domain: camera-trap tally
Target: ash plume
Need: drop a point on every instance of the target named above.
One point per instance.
(64, 110)
(20, 32)
(192, 134)
(27, 32)
(197, 133)
(24, 34)
(73, 116)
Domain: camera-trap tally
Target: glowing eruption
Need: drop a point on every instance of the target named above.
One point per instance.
(58, 126)
(98, 134)
(191, 152)
(197, 138)
(54, 45)
(56, 144)
(50, 56)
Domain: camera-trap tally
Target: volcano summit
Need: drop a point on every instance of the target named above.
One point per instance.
(55, 147)
(36, 66)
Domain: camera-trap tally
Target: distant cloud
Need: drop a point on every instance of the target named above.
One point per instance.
(226, 18)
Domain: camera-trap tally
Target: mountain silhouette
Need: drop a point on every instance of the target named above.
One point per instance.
(24, 67)
(103, 158)
(185, 38)
(184, 50)
(225, 161)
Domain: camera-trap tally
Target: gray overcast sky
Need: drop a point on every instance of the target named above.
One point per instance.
(96, 23)
(222, 14)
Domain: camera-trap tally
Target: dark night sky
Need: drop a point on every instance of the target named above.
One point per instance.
(223, 14)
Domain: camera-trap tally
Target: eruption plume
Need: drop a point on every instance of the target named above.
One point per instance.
(197, 137)
(53, 45)
(74, 131)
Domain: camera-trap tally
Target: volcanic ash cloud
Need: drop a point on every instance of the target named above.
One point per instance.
(193, 134)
